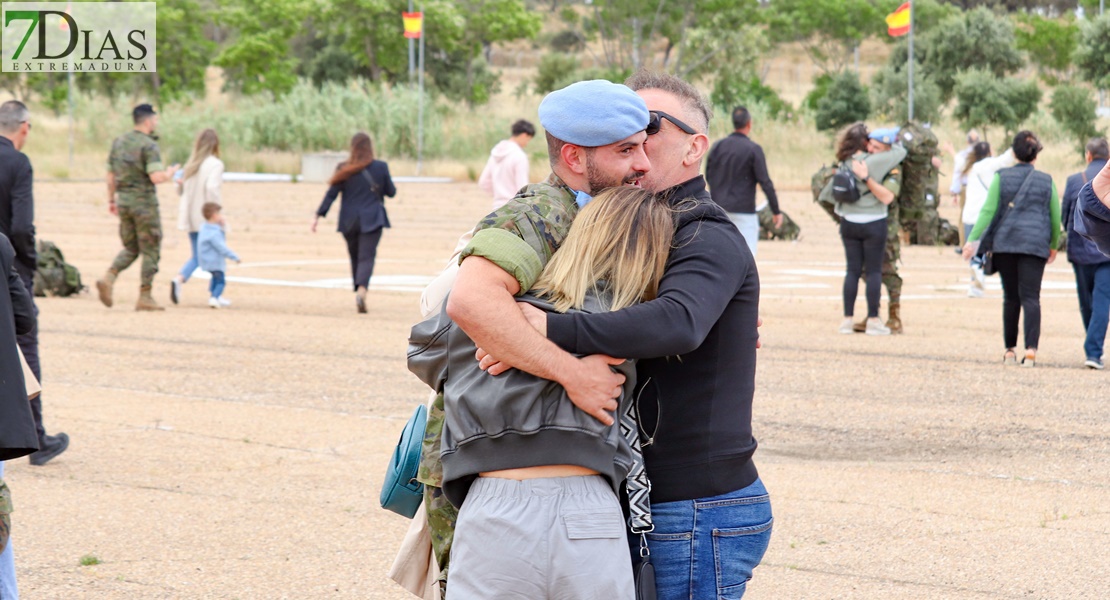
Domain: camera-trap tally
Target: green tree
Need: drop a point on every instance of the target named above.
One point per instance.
(1093, 54)
(890, 95)
(845, 102)
(1050, 44)
(258, 58)
(986, 100)
(828, 30)
(1073, 107)
(978, 39)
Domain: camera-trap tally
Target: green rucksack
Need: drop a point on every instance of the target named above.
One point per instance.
(55, 277)
(817, 183)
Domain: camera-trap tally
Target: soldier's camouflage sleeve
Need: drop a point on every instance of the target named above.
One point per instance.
(152, 158)
(521, 236)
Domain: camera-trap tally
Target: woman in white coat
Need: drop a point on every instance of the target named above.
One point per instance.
(203, 175)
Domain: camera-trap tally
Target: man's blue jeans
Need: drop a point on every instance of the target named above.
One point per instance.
(1092, 283)
(707, 548)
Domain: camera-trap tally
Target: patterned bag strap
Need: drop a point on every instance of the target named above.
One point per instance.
(637, 483)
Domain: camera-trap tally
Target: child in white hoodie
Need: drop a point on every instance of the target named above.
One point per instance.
(507, 168)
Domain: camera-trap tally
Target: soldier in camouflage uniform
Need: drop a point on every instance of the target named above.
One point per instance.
(595, 140)
(134, 168)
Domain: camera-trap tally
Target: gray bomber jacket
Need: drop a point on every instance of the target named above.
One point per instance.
(514, 420)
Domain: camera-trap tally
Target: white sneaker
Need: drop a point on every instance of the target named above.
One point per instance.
(974, 291)
(876, 327)
(846, 326)
(214, 302)
(223, 301)
(978, 278)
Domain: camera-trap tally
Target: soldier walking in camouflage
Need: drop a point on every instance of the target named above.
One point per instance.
(134, 168)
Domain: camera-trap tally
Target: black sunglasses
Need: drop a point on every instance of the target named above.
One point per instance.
(655, 121)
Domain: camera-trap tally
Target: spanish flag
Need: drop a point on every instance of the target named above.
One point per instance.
(898, 22)
(414, 24)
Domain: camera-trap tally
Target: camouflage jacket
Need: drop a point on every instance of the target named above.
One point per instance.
(519, 237)
(133, 158)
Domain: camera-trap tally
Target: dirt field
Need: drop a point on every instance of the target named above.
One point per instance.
(238, 453)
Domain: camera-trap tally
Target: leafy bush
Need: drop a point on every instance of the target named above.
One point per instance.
(568, 40)
(730, 91)
(1073, 107)
(1093, 54)
(890, 95)
(845, 103)
(553, 69)
(985, 100)
(821, 85)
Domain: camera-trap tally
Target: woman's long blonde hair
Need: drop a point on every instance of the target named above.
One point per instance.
(618, 244)
(207, 144)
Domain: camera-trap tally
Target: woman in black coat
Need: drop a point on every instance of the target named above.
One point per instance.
(364, 183)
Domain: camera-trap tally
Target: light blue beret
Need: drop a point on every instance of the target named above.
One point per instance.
(593, 113)
(886, 136)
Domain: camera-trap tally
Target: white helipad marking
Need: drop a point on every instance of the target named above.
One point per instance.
(397, 283)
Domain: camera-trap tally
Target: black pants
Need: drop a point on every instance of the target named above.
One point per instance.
(29, 344)
(864, 245)
(363, 249)
(1021, 290)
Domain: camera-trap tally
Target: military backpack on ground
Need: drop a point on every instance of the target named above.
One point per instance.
(55, 277)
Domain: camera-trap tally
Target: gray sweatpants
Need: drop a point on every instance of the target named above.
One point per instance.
(560, 538)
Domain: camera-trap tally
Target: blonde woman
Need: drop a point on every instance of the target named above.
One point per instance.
(524, 464)
(203, 175)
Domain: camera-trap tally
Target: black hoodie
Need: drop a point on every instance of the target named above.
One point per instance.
(696, 342)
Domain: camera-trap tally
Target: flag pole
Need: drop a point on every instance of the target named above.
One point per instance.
(910, 62)
(420, 109)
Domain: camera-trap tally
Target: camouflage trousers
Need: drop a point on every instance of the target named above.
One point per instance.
(893, 254)
(5, 515)
(441, 514)
(140, 230)
(767, 230)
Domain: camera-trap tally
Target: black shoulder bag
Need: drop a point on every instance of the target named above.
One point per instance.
(986, 243)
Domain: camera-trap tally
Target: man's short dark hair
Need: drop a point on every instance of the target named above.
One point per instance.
(523, 126)
(554, 147)
(142, 112)
(1098, 148)
(1026, 146)
(741, 117)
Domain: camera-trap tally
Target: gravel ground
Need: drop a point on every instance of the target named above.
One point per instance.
(238, 453)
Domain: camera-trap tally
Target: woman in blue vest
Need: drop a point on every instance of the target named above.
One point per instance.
(364, 184)
(1024, 235)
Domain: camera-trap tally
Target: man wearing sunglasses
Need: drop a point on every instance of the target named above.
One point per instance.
(735, 165)
(694, 410)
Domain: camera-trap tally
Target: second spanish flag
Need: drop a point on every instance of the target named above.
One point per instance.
(898, 22)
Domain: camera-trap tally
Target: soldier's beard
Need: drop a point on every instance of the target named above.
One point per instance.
(599, 181)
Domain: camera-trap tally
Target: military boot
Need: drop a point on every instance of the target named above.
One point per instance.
(146, 301)
(894, 323)
(104, 286)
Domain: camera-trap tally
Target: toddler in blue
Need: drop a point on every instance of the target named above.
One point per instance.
(212, 252)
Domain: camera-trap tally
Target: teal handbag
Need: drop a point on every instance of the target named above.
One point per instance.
(401, 492)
